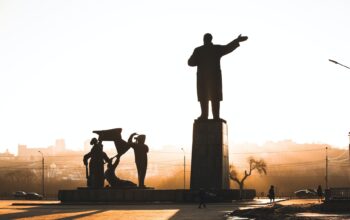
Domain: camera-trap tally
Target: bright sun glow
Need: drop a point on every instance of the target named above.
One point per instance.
(70, 67)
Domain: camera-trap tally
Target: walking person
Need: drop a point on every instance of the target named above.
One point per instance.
(319, 193)
(201, 195)
(271, 194)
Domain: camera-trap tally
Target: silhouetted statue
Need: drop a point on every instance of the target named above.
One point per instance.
(96, 166)
(140, 150)
(113, 180)
(209, 80)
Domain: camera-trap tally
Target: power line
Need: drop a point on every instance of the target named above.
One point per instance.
(273, 152)
(339, 156)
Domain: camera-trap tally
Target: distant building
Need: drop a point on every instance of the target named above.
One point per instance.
(60, 146)
(7, 155)
(26, 153)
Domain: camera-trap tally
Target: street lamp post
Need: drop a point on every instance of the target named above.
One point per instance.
(333, 61)
(326, 167)
(349, 145)
(184, 168)
(43, 174)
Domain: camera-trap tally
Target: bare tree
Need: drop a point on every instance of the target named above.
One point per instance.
(254, 164)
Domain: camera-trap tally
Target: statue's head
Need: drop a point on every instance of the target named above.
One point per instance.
(93, 141)
(141, 139)
(207, 38)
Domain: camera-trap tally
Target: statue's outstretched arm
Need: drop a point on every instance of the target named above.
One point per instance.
(234, 44)
(116, 163)
(105, 157)
(86, 157)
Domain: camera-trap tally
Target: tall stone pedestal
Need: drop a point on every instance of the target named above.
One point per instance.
(210, 164)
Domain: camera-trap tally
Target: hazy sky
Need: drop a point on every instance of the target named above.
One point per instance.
(70, 67)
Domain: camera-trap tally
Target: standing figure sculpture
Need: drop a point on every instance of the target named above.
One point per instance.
(209, 79)
(96, 166)
(140, 150)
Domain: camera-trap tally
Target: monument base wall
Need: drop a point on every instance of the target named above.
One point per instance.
(106, 195)
(210, 163)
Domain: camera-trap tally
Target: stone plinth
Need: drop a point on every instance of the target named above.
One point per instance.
(210, 165)
(109, 195)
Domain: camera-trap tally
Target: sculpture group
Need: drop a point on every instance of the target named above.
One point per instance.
(95, 167)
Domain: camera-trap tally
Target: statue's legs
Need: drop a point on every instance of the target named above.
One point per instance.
(100, 181)
(97, 178)
(141, 171)
(215, 107)
(204, 110)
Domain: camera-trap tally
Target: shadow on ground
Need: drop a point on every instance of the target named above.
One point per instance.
(115, 211)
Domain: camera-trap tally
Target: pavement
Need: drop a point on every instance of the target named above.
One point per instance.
(22, 209)
(307, 209)
(15, 209)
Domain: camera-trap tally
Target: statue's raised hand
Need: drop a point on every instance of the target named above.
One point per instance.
(241, 38)
(130, 140)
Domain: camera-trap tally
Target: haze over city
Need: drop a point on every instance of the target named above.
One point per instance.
(68, 68)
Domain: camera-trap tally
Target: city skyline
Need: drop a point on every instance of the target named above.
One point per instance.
(73, 67)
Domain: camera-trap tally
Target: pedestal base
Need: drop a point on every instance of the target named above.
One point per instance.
(210, 165)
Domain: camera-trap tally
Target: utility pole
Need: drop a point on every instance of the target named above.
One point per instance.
(349, 145)
(184, 168)
(326, 167)
(43, 174)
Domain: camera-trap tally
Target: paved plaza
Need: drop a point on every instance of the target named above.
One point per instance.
(18, 209)
(54, 210)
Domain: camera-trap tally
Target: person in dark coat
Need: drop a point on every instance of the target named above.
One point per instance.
(319, 193)
(202, 197)
(140, 150)
(271, 194)
(96, 166)
(209, 80)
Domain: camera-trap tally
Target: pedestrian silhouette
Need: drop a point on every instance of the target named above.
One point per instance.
(209, 80)
(319, 193)
(271, 194)
(202, 198)
(96, 165)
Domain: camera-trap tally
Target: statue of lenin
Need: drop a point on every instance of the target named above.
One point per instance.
(209, 81)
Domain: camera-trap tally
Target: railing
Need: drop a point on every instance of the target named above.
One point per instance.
(337, 194)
